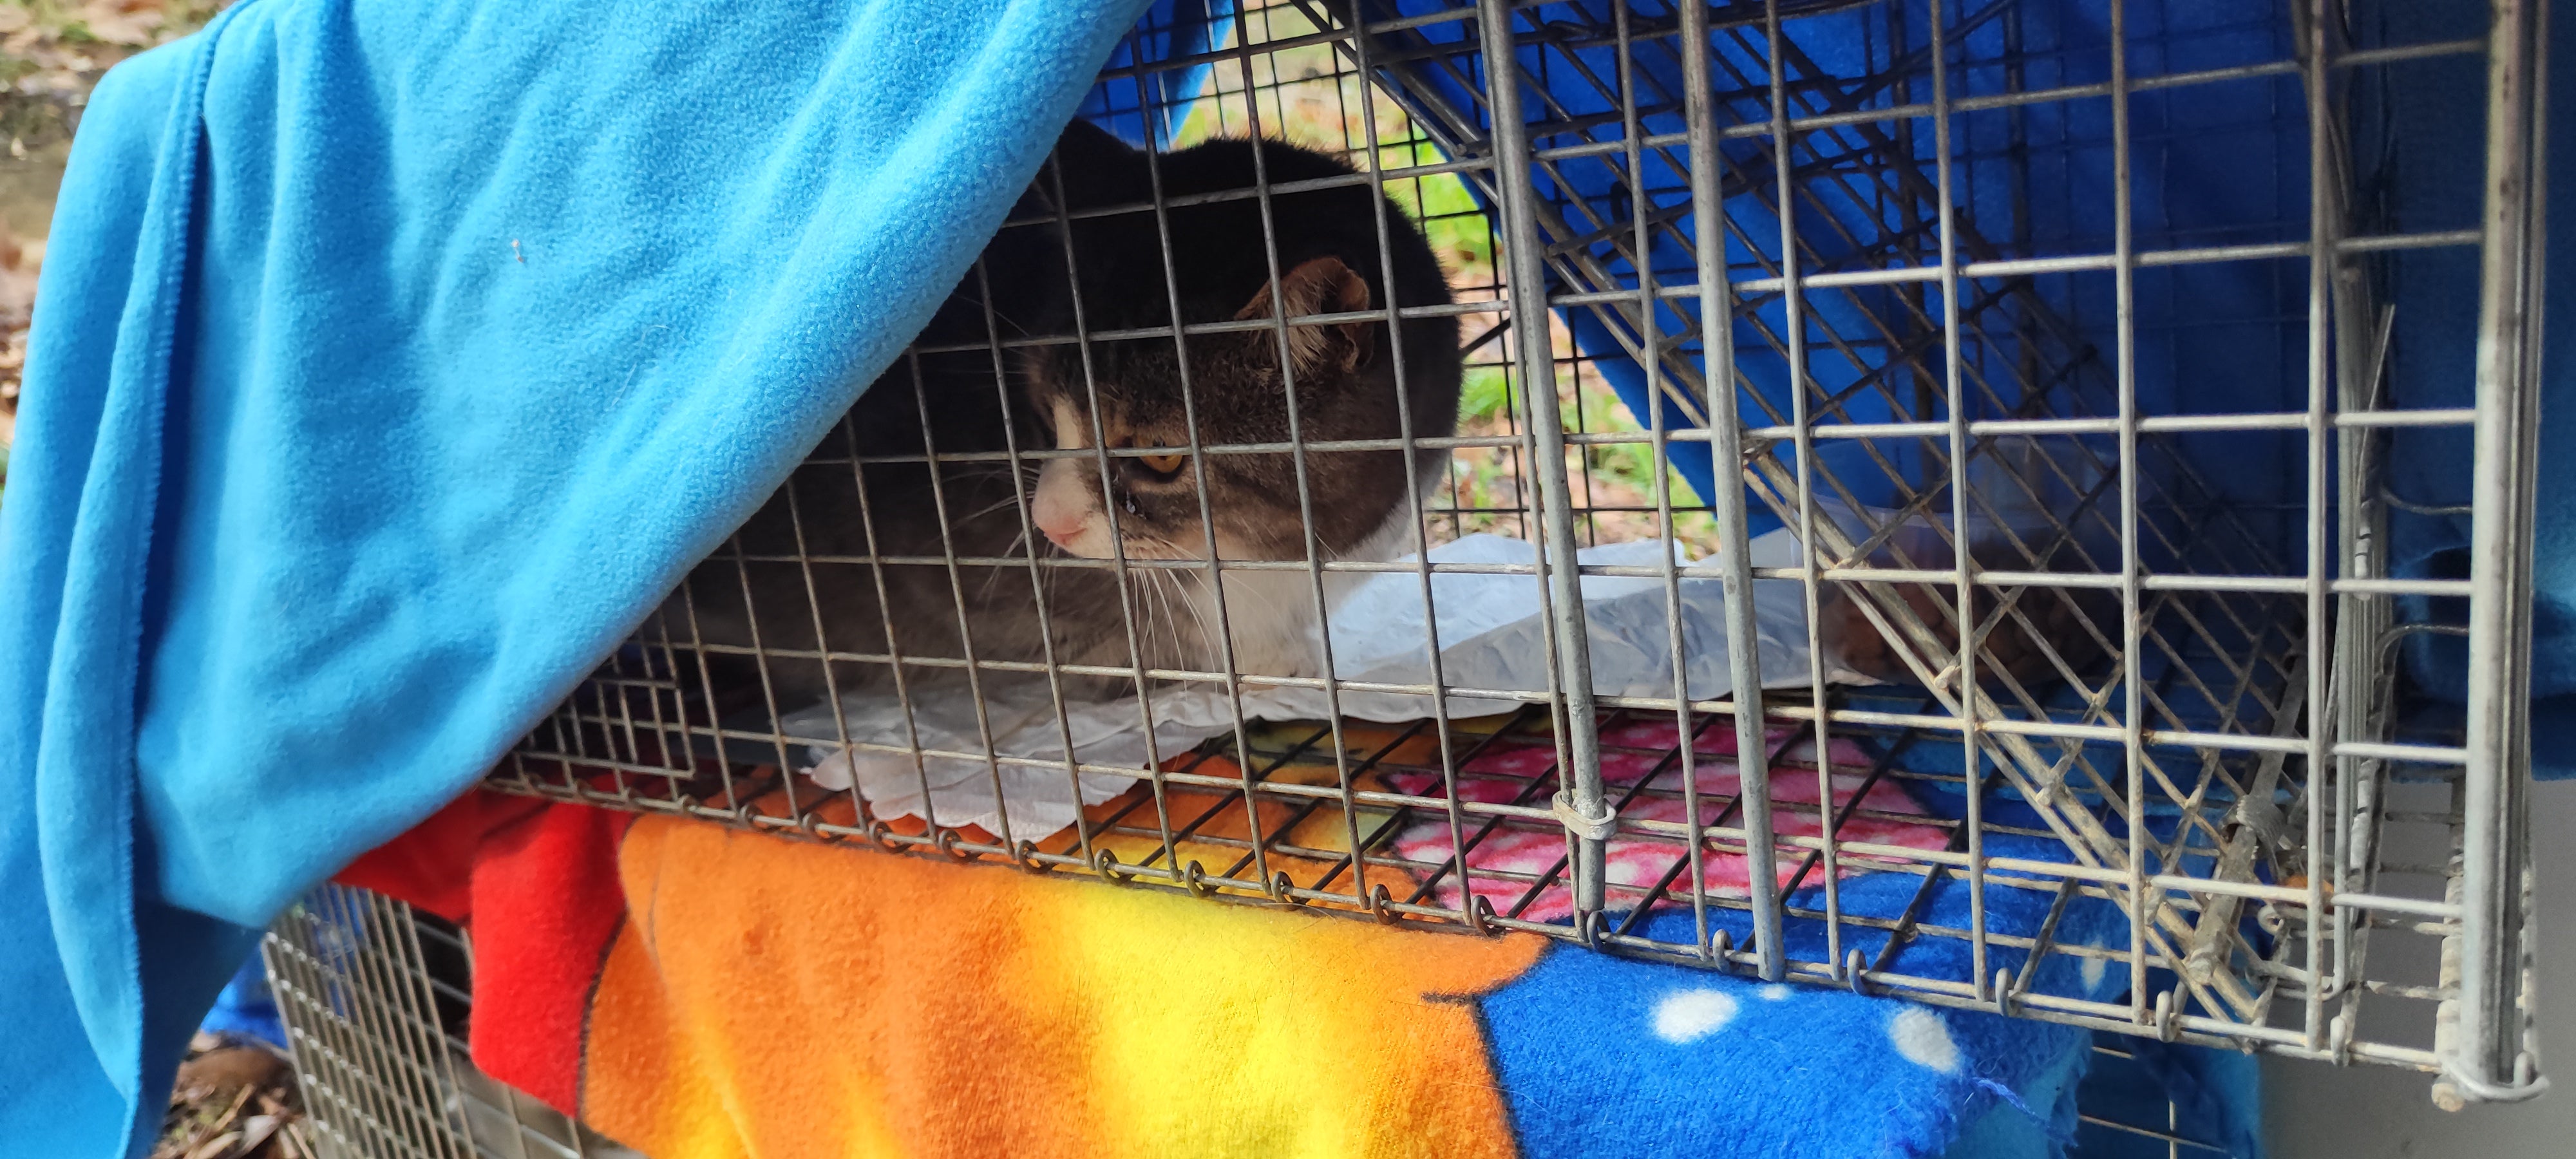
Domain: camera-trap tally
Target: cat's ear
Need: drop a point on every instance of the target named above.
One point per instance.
(1320, 286)
(1094, 167)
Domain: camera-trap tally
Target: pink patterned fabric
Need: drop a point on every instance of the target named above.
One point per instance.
(1632, 750)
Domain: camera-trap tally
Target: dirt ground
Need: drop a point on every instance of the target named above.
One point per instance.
(234, 1100)
(51, 53)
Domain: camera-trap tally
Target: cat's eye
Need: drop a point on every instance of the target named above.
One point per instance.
(1164, 465)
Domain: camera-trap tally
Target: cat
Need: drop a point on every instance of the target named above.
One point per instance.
(973, 395)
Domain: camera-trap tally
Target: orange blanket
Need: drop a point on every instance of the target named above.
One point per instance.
(697, 990)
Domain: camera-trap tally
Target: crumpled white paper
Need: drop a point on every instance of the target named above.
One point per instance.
(1491, 636)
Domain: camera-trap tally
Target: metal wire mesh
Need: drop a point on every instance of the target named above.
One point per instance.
(374, 995)
(1968, 323)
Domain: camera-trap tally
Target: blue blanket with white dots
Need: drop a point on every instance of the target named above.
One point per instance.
(1614, 1057)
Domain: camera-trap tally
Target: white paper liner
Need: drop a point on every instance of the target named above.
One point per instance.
(1491, 633)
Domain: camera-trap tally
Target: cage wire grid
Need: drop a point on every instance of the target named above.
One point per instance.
(1951, 306)
(375, 994)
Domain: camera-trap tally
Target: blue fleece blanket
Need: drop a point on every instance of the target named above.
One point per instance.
(1607, 1056)
(1601, 1055)
(393, 359)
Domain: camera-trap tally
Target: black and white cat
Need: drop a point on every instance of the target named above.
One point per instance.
(1352, 380)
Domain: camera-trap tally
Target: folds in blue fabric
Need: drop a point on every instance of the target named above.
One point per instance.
(392, 360)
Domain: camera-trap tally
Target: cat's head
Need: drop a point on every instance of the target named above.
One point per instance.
(1128, 396)
(1225, 256)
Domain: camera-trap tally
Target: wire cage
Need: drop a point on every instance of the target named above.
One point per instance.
(2020, 602)
(376, 992)
(374, 996)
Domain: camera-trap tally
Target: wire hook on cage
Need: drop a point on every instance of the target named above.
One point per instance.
(2528, 1083)
(1480, 914)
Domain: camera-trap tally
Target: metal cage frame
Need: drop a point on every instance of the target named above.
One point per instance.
(2317, 855)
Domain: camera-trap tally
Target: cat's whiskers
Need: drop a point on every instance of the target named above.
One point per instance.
(1162, 587)
(1159, 583)
(989, 508)
(1006, 320)
(993, 575)
(1180, 656)
(1024, 482)
(1140, 619)
(1212, 647)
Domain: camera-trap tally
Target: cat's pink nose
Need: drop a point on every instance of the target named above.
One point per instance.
(1061, 523)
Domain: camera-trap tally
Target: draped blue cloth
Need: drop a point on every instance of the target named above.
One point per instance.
(392, 360)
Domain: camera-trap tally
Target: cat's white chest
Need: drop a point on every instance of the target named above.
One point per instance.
(1272, 615)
